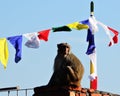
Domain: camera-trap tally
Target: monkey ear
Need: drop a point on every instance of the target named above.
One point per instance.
(58, 45)
(66, 43)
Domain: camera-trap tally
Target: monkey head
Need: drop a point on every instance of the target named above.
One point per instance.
(63, 48)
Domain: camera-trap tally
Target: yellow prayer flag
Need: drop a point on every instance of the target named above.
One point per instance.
(78, 26)
(92, 70)
(4, 53)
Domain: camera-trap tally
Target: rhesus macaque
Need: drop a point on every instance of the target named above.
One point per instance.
(68, 70)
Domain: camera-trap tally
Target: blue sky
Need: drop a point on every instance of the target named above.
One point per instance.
(36, 66)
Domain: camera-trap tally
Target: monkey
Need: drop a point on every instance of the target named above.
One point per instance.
(68, 69)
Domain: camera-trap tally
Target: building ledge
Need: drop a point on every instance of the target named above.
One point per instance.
(69, 91)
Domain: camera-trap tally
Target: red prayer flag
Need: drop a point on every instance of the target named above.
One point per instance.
(115, 37)
(93, 83)
(43, 35)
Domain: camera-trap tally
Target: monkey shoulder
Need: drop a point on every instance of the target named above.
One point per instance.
(74, 58)
(58, 62)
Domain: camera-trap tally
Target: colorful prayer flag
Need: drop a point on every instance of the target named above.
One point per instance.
(4, 52)
(91, 52)
(33, 40)
(16, 41)
(115, 37)
(77, 26)
(62, 28)
(106, 30)
(93, 70)
(93, 24)
(43, 35)
(90, 40)
(90, 37)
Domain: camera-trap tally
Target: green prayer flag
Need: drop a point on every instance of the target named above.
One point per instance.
(62, 28)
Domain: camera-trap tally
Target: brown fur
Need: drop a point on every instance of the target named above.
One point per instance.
(68, 70)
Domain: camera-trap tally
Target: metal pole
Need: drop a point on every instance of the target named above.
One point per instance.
(17, 92)
(26, 92)
(91, 8)
(8, 93)
(9, 88)
(93, 83)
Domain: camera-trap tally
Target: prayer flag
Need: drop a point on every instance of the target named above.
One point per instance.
(43, 35)
(91, 45)
(62, 28)
(4, 53)
(93, 70)
(91, 52)
(106, 30)
(115, 37)
(33, 40)
(78, 26)
(90, 37)
(93, 24)
(16, 41)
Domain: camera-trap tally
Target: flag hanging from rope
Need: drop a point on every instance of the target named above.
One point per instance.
(33, 40)
(4, 52)
(16, 41)
(91, 51)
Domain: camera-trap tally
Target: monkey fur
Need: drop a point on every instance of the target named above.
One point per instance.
(67, 70)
